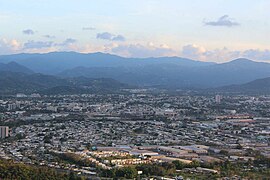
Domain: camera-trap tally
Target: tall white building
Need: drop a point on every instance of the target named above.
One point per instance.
(218, 98)
(4, 132)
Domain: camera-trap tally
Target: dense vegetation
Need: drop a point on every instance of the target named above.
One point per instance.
(258, 169)
(11, 170)
(227, 169)
(13, 82)
(72, 158)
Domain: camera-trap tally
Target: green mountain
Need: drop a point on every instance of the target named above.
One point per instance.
(11, 83)
(14, 67)
(256, 86)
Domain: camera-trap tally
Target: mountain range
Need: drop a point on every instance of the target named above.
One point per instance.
(179, 76)
(15, 67)
(56, 62)
(256, 86)
(163, 72)
(14, 82)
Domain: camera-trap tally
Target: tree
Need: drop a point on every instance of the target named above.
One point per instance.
(178, 165)
(126, 172)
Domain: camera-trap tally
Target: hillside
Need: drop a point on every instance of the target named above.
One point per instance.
(164, 72)
(176, 76)
(14, 67)
(256, 86)
(56, 62)
(11, 83)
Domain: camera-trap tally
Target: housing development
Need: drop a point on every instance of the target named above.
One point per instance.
(93, 134)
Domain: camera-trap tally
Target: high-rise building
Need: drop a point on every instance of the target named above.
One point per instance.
(4, 132)
(12, 106)
(218, 99)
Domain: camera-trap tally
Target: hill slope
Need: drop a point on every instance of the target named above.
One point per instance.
(175, 76)
(256, 86)
(11, 83)
(14, 67)
(167, 72)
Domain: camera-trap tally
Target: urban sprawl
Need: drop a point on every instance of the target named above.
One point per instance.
(114, 131)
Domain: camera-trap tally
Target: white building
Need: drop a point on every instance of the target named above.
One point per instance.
(218, 98)
(4, 132)
(21, 95)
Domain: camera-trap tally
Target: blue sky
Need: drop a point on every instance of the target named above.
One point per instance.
(207, 30)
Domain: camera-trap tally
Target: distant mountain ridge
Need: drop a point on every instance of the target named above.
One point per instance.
(164, 72)
(256, 86)
(176, 76)
(14, 67)
(13, 82)
(56, 62)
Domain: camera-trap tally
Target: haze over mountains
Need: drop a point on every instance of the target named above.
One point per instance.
(56, 62)
(165, 72)
(179, 76)
(14, 82)
(15, 67)
(256, 86)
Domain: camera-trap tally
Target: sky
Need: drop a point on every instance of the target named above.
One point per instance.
(205, 30)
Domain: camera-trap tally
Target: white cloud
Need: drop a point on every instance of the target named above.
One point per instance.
(105, 36)
(37, 44)
(263, 55)
(9, 46)
(110, 36)
(223, 21)
(150, 49)
(48, 44)
(193, 51)
(141, 51)
(28, 32)
(67, 42)
(201, 53)
(49, 36)
(88, 28)
(222, 55)
(118, 38)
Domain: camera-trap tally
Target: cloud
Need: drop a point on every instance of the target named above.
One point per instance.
(88, 28)
(28, 32)
(217, 55)
(37, 44)
(256, 54)
(221, 55)
(67, 42)
(105, 36)
(193, 51)
(119, 38)
(141, 51)
(190, 51)
(110, 37)
(70, 41)
(49, 36)
(196, 52)
(223, 21)
(9, 46)
(201, 53)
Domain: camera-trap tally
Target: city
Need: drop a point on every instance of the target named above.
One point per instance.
(134, 90)
(120, 130)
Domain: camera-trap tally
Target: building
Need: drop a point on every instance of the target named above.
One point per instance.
(21, 95)
(35, 95)
(12, 107)
(4, 132)
(218, 99)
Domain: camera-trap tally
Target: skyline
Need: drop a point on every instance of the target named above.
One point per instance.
(219, 31)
